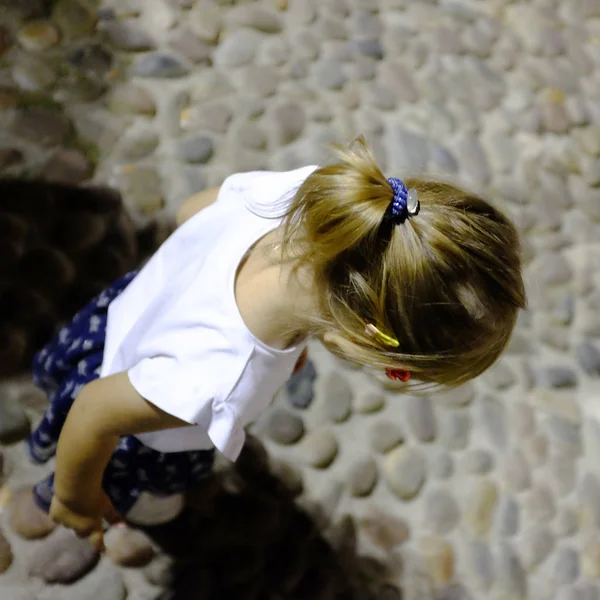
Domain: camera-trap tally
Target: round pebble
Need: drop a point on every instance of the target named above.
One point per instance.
(566, 523)
(421, 418)
(38, 36)
(438, 556)
(6, 554)
(540, 504)
(508, 517)
(385, 436)
(441, 512)
(318, 449)
(385, 531)
(159, 65)
(455, 429)
(285, 427)
(482, 507)
(566, 566)
(196, 149)
(405, 472)
(26, 519)
(337, 398)
(128, 547)
(478, 462)
(537, 544)
(480, 564)
(461, 396)
(442, 466)
(369, 403)
(515, 471)
(362, 477)
(511, 574)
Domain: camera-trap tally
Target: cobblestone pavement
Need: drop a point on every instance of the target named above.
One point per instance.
(491, 491)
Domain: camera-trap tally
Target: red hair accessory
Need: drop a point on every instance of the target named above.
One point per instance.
(398, 374)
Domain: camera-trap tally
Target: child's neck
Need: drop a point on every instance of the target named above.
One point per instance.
(274, 304)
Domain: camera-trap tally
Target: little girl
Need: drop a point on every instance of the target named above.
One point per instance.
(417, 277)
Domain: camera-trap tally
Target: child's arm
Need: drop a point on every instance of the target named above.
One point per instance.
(105, 410)
(195, 204)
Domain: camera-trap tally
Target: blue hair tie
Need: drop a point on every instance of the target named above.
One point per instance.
(404, 204)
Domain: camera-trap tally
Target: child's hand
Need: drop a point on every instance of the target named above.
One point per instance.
(86, 519)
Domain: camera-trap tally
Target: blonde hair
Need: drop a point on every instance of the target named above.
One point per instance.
(446, 284)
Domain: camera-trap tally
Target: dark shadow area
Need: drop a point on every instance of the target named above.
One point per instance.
(243, 537)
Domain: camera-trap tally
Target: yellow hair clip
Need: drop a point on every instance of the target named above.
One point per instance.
(371, 330)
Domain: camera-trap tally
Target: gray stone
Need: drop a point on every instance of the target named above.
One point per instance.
(300, 386)
(381, 96)
(494, 419)
(566, 566)
(63, 558)
(256, 17)
(67, 165)
(237, 49)
(184, 42)
(337, 399)
(160, 65)
(405, 471)
(6, 554)
(588, 357)
(103, 583)
(480, 564)
(478, 462)
(500, 376)
(31, 74)
(441, 512)
(331, 28)
(141, 187)
(369, 403)
(441, 159)
(508, 518)
(410, 151)
(285, 427)
(318, 449)
(160, 572)
(128, 547)
(385, 436)
(589, 501)
(370, 48)
(473, 160)
(400, 79)
(137, 143)
(214, 116)
(512, 578)
(196, 148)
(455, 429)
(289, 120)
(91, 60)
(481, 508)
(536, 450)
(553, 269)
(442, 466)
(564, 436)
(421, 418)
(14, 424)
(362, 477)
(206, 22)
(260, 81)
(536, 546)
(251, 136)
(540, 504)
(566, 523)
(557, 377)
(522, 419)
(302, 13)
(515, 471)
(306, 46)
(131, 99)
(129, 36)
(329, 75)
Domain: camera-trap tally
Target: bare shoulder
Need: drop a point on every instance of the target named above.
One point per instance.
(196, 203)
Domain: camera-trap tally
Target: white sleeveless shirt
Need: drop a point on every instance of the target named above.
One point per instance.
(177, 331)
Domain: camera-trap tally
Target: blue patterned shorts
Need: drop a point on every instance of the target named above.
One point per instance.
(61, 369)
